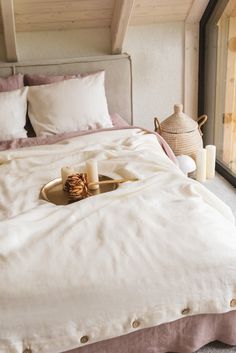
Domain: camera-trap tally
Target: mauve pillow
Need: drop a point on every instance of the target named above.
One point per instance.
(37, 80)
(118, 121)
(11, 83)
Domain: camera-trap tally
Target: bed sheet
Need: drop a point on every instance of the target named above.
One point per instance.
(150, 252)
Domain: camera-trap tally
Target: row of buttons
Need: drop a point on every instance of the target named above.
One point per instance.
(135, 324)
(85, 339)
(186, 311)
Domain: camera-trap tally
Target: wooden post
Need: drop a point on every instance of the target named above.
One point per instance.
(120, 22)
(9, 30)
(191, 56)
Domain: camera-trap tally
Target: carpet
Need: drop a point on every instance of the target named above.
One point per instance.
(217, 347)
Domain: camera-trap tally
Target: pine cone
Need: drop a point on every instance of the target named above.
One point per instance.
(77, 187)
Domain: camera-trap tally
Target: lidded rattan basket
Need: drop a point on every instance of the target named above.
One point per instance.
(181, 132)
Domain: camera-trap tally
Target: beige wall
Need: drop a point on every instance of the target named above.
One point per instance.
(63, 44)
(157, 56)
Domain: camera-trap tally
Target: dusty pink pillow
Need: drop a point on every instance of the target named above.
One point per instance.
(118, 121)
(11, 83)
(37, 80)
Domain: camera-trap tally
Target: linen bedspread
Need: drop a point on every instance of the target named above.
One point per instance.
(150, 252)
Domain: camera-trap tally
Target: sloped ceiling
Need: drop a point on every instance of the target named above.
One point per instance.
(38, 15)
(54, 15)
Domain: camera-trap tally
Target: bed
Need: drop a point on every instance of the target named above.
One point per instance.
(148, 267)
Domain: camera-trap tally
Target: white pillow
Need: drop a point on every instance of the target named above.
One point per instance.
(13, 106)
(71, 105)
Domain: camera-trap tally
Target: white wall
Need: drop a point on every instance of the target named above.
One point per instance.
(63, 44)
(157, 53)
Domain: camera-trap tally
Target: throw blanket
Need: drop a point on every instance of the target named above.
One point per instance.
(150, 252)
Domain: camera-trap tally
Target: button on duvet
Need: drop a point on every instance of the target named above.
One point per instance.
(233, 303)
(84, 339)
(185, 311)
(27, 350)
(135, 323)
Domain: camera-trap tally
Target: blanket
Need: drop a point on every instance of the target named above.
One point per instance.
(149, 252)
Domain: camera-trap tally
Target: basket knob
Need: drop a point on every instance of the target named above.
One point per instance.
(178, 108)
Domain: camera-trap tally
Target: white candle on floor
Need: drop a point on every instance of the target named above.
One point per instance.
(65, 172)
(201, 165)
(92, 173)
(211, 161)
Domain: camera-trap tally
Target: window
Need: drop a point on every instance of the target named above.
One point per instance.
(218, 82)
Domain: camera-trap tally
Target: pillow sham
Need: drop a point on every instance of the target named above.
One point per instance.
(71, 105)
(13, 114)
(39, 79)
(11, 83)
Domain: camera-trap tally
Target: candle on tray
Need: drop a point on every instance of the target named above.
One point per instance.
(201, 165)
(211, 161)
(65, 172)
(92, 173)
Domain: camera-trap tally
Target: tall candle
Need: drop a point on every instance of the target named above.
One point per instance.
(201, 165)
(92, 173)
(65, 172)
(211, 161)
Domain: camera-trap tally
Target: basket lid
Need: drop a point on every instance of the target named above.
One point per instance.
(178, 122)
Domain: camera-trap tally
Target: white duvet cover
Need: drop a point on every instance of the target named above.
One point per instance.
(144, 252)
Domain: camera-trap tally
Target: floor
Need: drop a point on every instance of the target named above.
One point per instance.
(227, 193)
(217, 347)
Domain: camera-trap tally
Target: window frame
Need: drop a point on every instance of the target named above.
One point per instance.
(207, 76)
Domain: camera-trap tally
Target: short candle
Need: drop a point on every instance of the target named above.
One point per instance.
(92, 173)
(65, 172)
(201, 165)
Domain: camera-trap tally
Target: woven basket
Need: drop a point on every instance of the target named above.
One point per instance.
(181, 132)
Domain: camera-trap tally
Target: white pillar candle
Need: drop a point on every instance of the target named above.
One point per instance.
(211, 161)
(201, 165)
(65, 172)
(92, 173)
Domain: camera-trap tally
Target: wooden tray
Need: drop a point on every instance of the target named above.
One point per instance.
(53, 192)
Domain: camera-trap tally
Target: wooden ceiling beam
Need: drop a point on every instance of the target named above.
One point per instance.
(9, 29)
(196, 11)
(120, 21)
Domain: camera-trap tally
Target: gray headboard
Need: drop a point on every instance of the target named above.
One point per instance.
(118, 81)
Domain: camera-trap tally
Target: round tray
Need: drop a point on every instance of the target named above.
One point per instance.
(54, 193)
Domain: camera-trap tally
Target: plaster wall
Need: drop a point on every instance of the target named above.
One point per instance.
(63, 44)
(157, 53)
